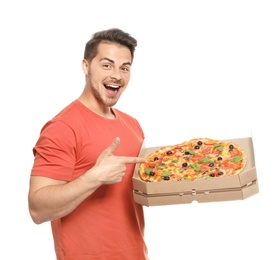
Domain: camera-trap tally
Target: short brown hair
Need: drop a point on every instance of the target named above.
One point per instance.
(113, 35)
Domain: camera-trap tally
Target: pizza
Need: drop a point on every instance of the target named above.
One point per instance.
(198, 158)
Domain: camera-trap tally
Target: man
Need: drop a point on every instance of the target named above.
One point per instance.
(81, 178)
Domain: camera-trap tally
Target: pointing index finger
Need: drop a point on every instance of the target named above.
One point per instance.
(129, 159)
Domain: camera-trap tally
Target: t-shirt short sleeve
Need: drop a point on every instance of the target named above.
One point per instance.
(55, 152)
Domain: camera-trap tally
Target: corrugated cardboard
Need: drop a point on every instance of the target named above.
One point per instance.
(223, 188)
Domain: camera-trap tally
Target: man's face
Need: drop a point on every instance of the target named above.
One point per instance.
(108, 74)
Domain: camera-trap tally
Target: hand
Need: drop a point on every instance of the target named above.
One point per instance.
(109, 168)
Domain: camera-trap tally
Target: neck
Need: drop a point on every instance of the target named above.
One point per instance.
(105, 112)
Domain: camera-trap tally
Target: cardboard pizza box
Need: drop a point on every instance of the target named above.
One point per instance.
(238, 187)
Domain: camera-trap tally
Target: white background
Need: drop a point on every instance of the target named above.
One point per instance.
(201, 68)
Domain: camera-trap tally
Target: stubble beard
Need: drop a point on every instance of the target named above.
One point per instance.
(106, 101)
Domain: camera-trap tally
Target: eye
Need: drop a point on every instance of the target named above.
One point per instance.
(125, 69)
(107, 66)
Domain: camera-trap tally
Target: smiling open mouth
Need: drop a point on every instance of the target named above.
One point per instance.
(112, 88)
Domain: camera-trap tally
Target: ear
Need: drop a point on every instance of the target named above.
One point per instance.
(85, 66)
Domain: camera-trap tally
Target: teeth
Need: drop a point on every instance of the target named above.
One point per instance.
(111, 86)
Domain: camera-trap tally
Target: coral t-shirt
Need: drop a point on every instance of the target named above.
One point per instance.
(108, 224)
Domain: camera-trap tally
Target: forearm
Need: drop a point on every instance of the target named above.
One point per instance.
(59, 199)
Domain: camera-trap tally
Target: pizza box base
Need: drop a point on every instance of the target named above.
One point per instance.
(223, 188)
(211, 196)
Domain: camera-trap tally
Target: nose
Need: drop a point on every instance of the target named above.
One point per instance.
(116, 74)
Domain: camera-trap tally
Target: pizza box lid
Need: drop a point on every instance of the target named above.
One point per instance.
(221, 186)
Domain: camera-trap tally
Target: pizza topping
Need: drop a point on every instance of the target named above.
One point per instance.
(196, 167)
(184, 164)
(237, 159)
(189, 152)
(204, 160)
(148, 171)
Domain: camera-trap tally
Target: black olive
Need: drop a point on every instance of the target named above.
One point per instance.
(231, 146)
(199, 143)
(184, 164)
(187, 153)
(169, 152)
(212, 175)
(197, 147)
(220, 173)
(156, 159)
(211, 164)
(166, 178)
(152, 174)
(219, 158)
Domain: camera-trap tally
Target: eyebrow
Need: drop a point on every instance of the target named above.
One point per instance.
(112, 61)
